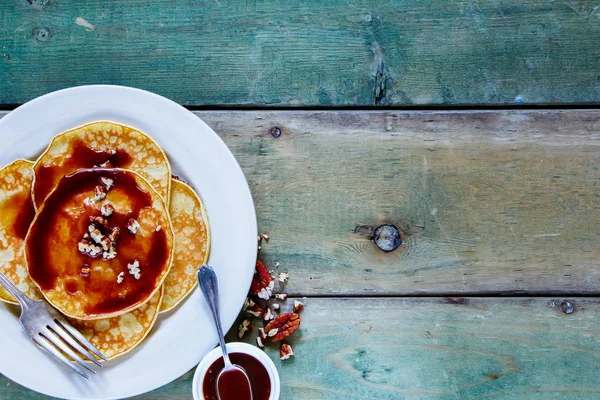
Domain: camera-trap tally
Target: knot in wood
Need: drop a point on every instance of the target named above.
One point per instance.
(567, 307)
(387, 237)
(41, 34)
(38, 3)
(275, 132)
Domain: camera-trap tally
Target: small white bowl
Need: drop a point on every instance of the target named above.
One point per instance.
(236, 347)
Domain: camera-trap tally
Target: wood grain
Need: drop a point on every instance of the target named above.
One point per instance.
(488, 202)
(309, 53)
(477, 348)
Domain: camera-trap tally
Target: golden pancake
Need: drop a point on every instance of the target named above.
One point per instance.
(16, 214)
(101, 144)
(119, 335)
(101, 244)
(192, 243)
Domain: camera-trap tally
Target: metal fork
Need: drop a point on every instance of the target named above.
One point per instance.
(50, 330)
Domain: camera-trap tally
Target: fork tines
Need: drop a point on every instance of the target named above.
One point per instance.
(53, 333)
(52, 338)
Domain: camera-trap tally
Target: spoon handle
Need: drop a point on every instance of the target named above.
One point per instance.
(207, 279)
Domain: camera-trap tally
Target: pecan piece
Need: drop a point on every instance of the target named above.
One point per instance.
(133, 226)
(283, 277)
(298, 306)
(254, 310)
(105, 243)
(99, 193)
(114, 235)
(99, 222)
(262, 283)
(285, 351)
(261, 338)
(85, 271)
(281, 296)
(245, 327)
(88, 248)
(267, 315)
(283, 326)
(107, 209)
(107, 182)
(248, 303)
(110, 253)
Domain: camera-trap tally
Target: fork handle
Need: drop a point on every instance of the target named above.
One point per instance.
(23, 300)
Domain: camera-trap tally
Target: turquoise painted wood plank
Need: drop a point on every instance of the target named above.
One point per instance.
(438, 349)
(307, 53)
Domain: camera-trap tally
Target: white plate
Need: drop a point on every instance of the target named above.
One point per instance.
(181, 338)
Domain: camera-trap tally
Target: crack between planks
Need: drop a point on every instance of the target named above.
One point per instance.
(446, 295)
(475, 107)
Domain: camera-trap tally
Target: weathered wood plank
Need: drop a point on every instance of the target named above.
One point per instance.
(488, 202)
(504, 348)
(343, 52)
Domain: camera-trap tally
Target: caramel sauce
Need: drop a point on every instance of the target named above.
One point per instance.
(18, 214)
(233, 387)
(81, 157)
(52, 250)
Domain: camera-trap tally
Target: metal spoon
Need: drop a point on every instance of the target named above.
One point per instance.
(207, 279)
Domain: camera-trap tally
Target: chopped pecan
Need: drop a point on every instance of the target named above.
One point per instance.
(298, 306)
(254, 310)
(261, 338)
(133, 226)
(262, 334)
(114, 235)
(99, 193)
(85, 271)
(262, 283)
(276, 307)
(281, 296)
(107, 209)
(283, 326)
(96, 235)
(88, 248)
(248, 303)
(283, 277)
(134, 269)
(267, 315)
(105, 243)
(107, 182)
(245, 327)
(285, 351)
(110, 253)
(99, 222)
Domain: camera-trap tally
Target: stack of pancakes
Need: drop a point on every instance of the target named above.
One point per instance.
(99, 228)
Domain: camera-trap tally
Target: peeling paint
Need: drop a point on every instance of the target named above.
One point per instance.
(82, 22)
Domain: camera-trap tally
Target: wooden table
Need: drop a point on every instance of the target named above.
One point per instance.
(493, 292)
